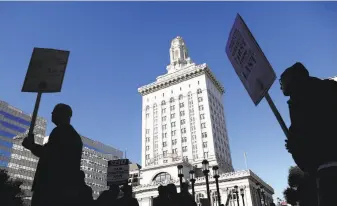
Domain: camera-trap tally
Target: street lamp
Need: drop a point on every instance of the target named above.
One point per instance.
(259, 192)
(237, 194)
(192, 179)
(180, 175)
(242, 195)
(205, 170)
(216, 176)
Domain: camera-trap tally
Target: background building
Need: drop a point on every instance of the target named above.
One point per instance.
(18, 161)
(134, 174)
(183, 123)
(333, 78)
(95, 157)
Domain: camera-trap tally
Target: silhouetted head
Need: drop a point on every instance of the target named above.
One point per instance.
(292, 77)
(114, 190)
(127, 190)
(184, 188)
(171, 189)
(61, 114)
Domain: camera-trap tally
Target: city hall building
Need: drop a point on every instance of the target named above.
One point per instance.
(183, 123)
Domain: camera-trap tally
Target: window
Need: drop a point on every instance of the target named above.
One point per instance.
(182, 121)
(147, 131)
(194, 137)
(147, 156)
(184, 139)
(165, 153)
(201, 107)
(147, 108)
(173, 116)
(194, 146)
(180, 96)
(205, 154)
(164, 126)
(199, 91)
(204, 144)
(163, 118)
(147, 115)
(163, 111)
(164, 135)
(183, 130)
(173, 124)
(181, 104)
(185, 149)
(173, 133)
(200, 99)
(204, 134)
(174, 142)
(163, 102)
(172, 107)
(182, 113)
(203, 125)
(202, 116)
(147, 148)
(162, 177)
(175, 151)
(171, 100)
(164, 144)
(147, 139)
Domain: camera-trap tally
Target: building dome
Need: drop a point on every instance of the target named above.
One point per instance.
(178, 41)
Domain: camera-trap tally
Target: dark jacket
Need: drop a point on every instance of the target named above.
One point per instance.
(60, 160)
(313, 116)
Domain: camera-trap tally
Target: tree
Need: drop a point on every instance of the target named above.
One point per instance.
(301, 188)
(10, 191)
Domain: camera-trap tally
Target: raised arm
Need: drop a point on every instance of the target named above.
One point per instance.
(29, 144)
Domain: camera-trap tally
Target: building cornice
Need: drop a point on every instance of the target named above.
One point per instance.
(226, 177)
(180, 76)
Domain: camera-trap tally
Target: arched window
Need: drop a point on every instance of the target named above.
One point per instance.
(198, 197)
(147, 108)
(171, 100)
(180, 97)
(163, 102)
(154, 105)
(199, 91)
(162, 177)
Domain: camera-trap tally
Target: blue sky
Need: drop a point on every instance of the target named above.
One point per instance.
(118, 47)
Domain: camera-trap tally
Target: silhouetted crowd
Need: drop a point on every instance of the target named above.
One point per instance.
(311, 141)
(168, 196)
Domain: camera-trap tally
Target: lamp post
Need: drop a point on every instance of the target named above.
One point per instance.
(192, 179)
(259, 192)
(180, 175)
(242, 195)
(205, 167)
(236, 191)
(216, 176)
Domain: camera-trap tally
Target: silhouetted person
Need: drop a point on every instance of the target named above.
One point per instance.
(162, 199)
(108, 197)
(85, 197)
(313, 112)
(185, 197)
(127, 199)
(56, 177)
(173, 197)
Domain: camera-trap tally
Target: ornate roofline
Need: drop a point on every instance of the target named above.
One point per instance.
(183, 75)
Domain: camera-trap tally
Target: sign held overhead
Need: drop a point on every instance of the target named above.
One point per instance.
(118, 172)
(46, 70)
(249, 62)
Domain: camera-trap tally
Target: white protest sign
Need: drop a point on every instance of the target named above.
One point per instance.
(118, 172)
(46, 70)
(249, 62)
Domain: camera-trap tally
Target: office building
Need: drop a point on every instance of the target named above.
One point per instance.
(183, 123)
(134, 174)
(18, 161)
(95, 157)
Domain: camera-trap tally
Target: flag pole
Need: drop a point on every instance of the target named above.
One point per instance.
(245, 157)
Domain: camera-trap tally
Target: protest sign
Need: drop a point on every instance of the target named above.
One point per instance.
(118, 172)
